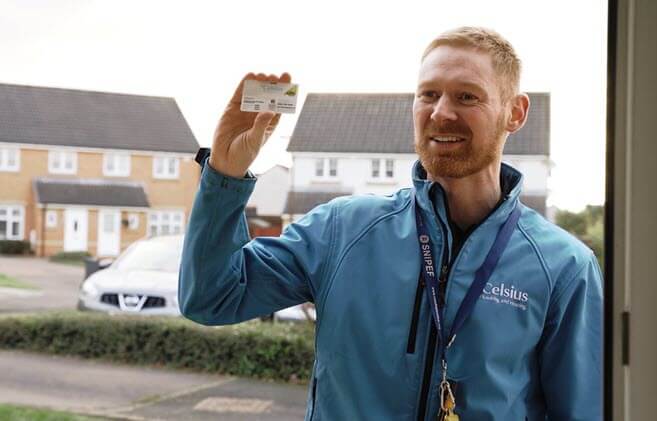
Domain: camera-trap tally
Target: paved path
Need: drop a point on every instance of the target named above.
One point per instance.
(132, 393)
(57, 285)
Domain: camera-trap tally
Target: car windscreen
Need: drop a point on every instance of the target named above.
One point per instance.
(151, 255)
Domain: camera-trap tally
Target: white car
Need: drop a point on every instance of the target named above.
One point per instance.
(144, 280)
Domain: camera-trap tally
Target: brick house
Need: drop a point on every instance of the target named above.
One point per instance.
(92, 171)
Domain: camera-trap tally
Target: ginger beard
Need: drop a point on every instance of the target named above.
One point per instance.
(467, 159)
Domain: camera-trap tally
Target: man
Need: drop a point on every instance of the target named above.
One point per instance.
(450, 298)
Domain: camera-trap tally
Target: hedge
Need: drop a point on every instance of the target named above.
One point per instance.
(14, 247)
(280, 351)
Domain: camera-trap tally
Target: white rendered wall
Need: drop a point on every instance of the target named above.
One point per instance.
(354, 173)
(270, 191)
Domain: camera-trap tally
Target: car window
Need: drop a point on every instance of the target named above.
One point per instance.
(151, 255)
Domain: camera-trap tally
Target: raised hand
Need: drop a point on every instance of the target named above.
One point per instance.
(240, 135)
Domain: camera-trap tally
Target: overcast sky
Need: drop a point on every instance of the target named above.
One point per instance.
(196, 52)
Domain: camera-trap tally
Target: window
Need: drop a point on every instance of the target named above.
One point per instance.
(11, 222)
(116, 164)
(9, 159)
(133, 221)
(382, 168)
(165, 167)
(165, 222)
(62, 162)
(51, 219)
(326, 168)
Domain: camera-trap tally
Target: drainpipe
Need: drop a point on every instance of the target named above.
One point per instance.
(43, 230)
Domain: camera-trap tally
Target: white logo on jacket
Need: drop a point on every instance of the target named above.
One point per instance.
(505, 294)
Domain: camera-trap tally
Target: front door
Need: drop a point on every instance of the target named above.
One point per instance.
(109, 232)
(75, 229)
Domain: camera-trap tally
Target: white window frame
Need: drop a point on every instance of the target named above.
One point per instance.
(51, 219)
(115, 158)
(165, 173)
(325, 164)
(63, 156)
(10, 220)
(382, 168)
(175, 222)
(4, 159)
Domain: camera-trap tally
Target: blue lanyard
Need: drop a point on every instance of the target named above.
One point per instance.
(481, 276)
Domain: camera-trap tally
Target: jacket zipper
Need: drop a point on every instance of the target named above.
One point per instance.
(431, 346)
(412, 334)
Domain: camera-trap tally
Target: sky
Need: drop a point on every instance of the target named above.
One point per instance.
(197, 51)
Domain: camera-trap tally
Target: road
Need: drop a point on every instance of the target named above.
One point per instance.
(135, 393)
(58, 285)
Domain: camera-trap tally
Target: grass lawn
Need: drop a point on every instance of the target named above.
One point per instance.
(8, 282)
(21, 413)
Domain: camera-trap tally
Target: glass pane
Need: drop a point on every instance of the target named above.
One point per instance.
(11, 157)
(165, 229)
(375, 168)
(68, 161)
(14, 229)
(159, 166)
(3, 211)
(177, 229)
(108, 223)
(123, 164)
(16, 212)
(319, 167)
(333, 167)
(3, 229)
(56, 160)
(153, 217)
(165, 217)
(177, 217)
(389, 168)
(172, 166)
(153, 230)
(110, 163)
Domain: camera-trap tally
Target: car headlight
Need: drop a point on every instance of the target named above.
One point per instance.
(89, 289)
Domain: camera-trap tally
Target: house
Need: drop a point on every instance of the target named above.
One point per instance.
(266, 203)
(363, 143)
(92, 171)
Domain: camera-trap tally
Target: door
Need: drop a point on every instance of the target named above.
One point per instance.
(109, 232)
(75, 229)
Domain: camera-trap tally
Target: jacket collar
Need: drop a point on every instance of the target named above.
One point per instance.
(511, 183)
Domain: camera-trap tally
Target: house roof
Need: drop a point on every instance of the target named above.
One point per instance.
(300, 202)
(90, 192)
(382, 123)
(67, 117)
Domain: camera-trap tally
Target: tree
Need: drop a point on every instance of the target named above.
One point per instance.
(588, 226)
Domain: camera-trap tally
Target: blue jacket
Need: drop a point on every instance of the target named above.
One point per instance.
(531, 349)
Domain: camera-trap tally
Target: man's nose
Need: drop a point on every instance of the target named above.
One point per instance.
(443, 109)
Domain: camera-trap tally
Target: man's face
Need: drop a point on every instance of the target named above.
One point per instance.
(458, 114)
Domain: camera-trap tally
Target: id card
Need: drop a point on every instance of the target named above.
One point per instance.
(269, 96)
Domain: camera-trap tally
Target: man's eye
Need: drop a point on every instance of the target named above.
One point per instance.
(468, 97)
(428, 95)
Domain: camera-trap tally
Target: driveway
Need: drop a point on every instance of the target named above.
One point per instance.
(136, 393)
(58, 284)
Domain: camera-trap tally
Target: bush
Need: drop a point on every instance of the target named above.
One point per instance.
(14, 247)
(254, 349)
(75, 257)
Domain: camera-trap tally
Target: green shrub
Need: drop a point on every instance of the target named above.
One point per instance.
(279, 351)
(72, 257)
(14, 247)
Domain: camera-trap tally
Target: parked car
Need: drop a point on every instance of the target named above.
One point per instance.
(144, 280)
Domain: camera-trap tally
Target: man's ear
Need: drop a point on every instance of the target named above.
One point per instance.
(519, 107)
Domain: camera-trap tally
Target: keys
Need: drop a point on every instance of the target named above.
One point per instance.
(451, 416)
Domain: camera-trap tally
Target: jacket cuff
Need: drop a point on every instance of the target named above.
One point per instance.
(213, 179)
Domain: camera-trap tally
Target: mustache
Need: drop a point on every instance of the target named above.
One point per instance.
(448, 129)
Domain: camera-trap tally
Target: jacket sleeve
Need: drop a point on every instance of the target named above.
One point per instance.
(571, 348)
(225, 278)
